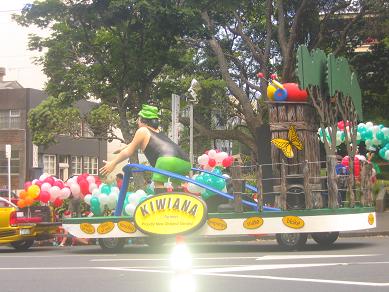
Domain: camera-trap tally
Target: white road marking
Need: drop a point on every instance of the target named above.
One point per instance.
(263, 267)
(300, 279)
(296, 257)
(58, 256)
(167, 258)
(277, 257)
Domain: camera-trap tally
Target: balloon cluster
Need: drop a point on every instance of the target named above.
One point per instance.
(285, 91)
(357, 165)
(212, 158)
(83, 184)
(104, 197)
(132, 200)
(374, 136)
(211, 179)
(45, 189)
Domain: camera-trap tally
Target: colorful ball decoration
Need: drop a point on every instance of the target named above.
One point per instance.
(280, 95)
(270, 91)
(294, 93)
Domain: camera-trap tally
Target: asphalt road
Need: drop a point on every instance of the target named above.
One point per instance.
(352, 264)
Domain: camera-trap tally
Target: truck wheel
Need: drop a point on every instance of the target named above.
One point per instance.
(112, 244)
(325, 238)
(23, 244)
(291, 241)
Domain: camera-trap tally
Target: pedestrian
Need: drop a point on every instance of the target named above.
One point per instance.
(119, 180)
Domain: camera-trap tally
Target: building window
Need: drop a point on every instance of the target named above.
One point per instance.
(91, 165)
(10, 119)
(49, 164)
(76, 165)
(15, 162)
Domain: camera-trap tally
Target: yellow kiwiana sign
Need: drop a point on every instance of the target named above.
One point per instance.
(170, 213)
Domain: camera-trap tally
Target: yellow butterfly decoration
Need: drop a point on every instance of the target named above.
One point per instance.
(286, 145)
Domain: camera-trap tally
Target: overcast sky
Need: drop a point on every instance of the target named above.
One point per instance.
(14, 53)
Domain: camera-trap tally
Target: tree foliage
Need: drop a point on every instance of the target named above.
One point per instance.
(50, 118)
(126, 52)
(112, 50)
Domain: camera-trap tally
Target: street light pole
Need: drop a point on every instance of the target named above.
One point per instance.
(191, 132)
(194, 86)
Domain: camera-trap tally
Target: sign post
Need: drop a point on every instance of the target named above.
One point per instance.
(8, 156)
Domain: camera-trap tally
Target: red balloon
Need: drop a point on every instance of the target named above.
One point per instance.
(44, 196)
(49, 180)
(59, 184)
(84, 187)
(211, 162)
(57, 203)
(80, 178)
(227, 162)
(357, 167)
(341, 125)
(27, 184)
(260, 75)
(97, 180)
(295, 93)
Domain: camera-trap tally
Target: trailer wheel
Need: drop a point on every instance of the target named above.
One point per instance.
(112, 244)
(325, 238)
(155, 241)
(22, 245)
(291, 241)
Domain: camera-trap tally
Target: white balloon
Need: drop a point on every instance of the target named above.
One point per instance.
(369, 125)
(92, 186)
(55, 192)
(75, 189)
(90, 179)
(194, 188)
(115, 190)
(226, 175)
(130, 209)
(375, 129)
(203, 159)
(111, 204)
(220, 157)
(376, 142)
(87, 198)
(212, 153)
(361, 157)
(44, 176)
(65, 193)
(45, 187)
(141, 192)
(95, 192)
(103, 201)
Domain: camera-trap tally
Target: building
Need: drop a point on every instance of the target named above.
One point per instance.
(67, 158)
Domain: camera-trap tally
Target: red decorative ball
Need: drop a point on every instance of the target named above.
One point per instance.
(295, 93)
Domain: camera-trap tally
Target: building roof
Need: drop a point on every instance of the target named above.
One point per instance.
(10, 85)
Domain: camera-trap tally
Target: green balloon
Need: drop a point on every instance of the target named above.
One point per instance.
(368, 135)
(380, 135)
(95, 206)
(106, 189)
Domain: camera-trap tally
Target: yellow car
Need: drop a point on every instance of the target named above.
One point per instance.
(21, 227)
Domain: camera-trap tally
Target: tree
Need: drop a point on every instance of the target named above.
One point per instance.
(113, 51)
(245, 37)
(372, 67)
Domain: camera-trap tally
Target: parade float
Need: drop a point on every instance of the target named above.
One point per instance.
(301, 197)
